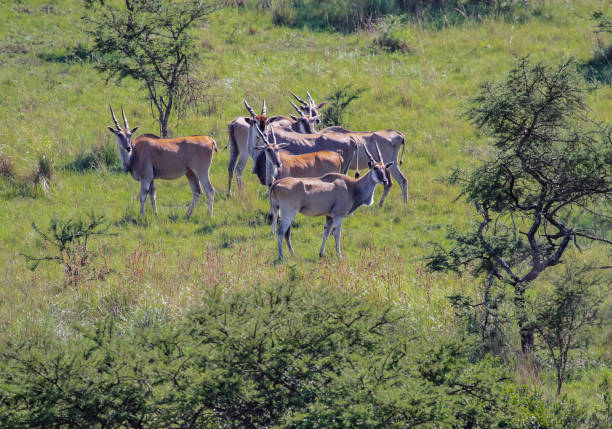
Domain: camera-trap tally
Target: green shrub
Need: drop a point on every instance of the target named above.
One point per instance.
(389, 32)
(337, 103)
(71, 242)
(350, 15)
(282, 356)
(100, 155)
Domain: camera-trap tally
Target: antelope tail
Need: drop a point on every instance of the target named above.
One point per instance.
(214, 145)
(231, 140)
(356, 154)
(403, 147)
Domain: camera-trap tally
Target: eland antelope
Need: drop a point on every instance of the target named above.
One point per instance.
(298, 143)
(389, 142)
(276, 164)
(334, 196)
(149, 157)
(238, 130)
(279, 164)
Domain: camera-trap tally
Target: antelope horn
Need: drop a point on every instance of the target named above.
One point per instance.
(298, 98)
(310, 100)
(114, 118)
(127, 127)
(264, 108)
(249, 108)
(368, 153)
(273, 135)
(261, 134)
(379, 155)
(296, 108)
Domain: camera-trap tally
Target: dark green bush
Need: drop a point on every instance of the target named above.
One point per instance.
(337, 103)
(350, 15)
(282, 356)
(98, 156)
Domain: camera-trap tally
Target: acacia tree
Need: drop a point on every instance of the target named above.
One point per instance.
(150, 41)
(550, 168)
(562, 317)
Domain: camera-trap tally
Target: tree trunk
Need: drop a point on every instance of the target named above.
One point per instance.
(525, 326)
(527, 337)
(163, 127)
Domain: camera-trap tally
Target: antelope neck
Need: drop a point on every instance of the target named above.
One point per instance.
(126, 159)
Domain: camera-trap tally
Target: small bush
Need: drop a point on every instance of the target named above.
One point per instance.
(337, 103)
(283, 12)
(101, 155)
(389, 32)
(71, 245)
(7, 168)
(599, 68)
(42, 173)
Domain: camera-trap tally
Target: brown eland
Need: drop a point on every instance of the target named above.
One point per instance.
(149, 157)
(334, 196)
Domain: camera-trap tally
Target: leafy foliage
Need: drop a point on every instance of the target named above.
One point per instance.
(99, 155)
(548, 161)
(389, 35)
(564, 315)
(337, 103)
(150, 41)
(70, 240)
(279, 356)
(599, 68)
(351, 15)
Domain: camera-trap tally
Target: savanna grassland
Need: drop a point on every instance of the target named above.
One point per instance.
(157, 268)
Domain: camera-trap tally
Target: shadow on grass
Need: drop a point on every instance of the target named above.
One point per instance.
(599, 68)
(78, 54)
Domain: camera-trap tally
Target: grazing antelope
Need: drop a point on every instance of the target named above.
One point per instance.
(238, 130)
(334, 196)
(148, 158)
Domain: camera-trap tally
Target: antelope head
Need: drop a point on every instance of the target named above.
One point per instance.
(123, 135)
(271, 152)
(309, 107)
(377, 168)
(304, 123)
(259, 122)
(124, 138)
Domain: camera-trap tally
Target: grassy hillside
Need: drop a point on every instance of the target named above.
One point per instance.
(53, 103)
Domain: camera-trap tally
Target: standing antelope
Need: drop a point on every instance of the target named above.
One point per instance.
(149, 157)
(334, 196)
(238, 130)
(280, 164)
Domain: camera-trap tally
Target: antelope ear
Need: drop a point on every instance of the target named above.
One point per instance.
(112, 130)
(389, 164)
(321, 105)
(133, 130)
(295, 118)
(370, 164)
(260, 147)
(248, 120)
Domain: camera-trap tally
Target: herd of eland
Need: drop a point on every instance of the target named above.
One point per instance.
(304, 169)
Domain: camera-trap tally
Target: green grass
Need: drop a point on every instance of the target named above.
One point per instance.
(54, 103)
